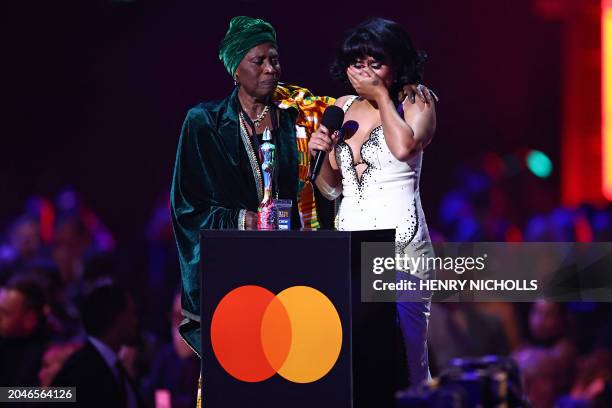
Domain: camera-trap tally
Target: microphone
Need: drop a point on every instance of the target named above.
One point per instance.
(332, 119)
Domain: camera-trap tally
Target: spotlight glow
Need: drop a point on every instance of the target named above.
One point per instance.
(539, 163)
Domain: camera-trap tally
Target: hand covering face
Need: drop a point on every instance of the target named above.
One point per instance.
(243, 34)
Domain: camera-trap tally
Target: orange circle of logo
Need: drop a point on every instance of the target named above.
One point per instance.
(255, 334)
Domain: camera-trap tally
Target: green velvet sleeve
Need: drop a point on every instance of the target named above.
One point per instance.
(194, 203)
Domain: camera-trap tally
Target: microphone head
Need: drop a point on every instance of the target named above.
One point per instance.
(332, 118)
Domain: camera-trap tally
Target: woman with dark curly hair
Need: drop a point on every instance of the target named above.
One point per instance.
(376, 167)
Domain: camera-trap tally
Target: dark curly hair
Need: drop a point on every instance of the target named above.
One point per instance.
(383, 40)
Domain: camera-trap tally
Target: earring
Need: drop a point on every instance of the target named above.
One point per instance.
(236, 83)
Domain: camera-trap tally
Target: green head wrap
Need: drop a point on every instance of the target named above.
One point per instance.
(243, 34)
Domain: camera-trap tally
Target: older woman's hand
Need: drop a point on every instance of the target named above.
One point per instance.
(424, 93)
(250, 220)
(321, 140)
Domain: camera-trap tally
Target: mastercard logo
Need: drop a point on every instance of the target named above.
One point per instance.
(256, 334)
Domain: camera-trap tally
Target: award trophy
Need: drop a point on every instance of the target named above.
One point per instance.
(267, 213)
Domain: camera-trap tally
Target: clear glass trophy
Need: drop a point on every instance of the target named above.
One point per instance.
(267, 213)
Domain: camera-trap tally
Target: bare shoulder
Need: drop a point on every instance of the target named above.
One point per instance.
(342, 100)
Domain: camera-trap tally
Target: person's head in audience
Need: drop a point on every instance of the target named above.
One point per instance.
(71, 241)
(22, 304)
(540, 371)
(53, 359)
(24, 237)
(109, 314)
(182, 349)
(548, 322)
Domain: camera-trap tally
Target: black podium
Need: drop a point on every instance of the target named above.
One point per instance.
(370, 364)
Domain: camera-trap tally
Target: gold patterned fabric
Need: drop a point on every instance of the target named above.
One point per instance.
(199, 398)
(310, 110)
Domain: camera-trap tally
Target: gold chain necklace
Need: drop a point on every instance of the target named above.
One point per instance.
(257, 121)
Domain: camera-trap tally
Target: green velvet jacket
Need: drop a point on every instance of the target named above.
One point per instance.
(213, 181)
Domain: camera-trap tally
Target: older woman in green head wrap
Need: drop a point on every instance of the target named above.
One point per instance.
(217, 181)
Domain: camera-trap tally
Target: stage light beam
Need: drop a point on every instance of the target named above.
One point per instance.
(606, 97)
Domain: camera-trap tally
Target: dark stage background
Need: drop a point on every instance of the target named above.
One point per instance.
(94, 92)
(93, 95)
